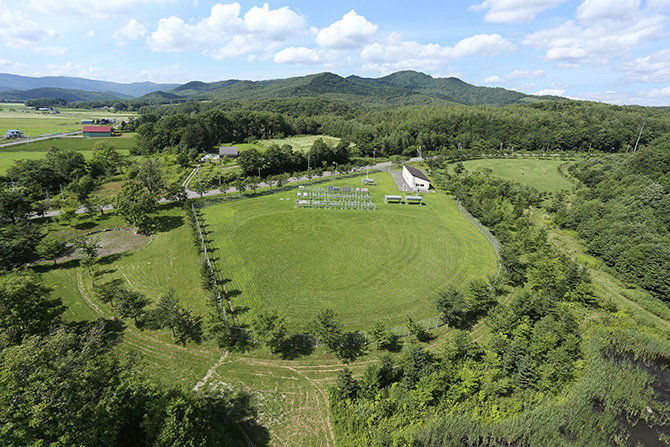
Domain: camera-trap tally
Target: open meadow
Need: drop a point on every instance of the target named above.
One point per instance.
(384, 265)
(540, 173)
(299, 143)
(34, 123)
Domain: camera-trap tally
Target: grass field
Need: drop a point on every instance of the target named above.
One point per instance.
(126, 141)
(300, 143)
(33, 123)
(541, 174)
(385, 265)
(38, 149)
(169, 262)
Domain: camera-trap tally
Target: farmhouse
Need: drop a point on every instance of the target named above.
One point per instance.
(228, 151)
(97, 131)
(416, 179)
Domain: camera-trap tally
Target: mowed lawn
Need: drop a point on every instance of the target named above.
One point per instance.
(170, 261)
(541, 174)
(384, 265)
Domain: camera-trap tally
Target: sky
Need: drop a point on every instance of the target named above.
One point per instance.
(615, 51)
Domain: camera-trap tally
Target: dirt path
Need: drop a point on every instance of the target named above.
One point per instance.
(210, 372)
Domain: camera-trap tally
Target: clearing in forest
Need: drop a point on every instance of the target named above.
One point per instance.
(386, 265)
(541, 174)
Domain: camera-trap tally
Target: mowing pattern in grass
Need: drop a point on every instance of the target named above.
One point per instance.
(387, 265)
(170, 261)
(541, 174)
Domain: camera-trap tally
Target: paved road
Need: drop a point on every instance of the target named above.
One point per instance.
(194, 195)
(40, 138)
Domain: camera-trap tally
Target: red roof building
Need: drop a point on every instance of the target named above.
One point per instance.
(97, 131)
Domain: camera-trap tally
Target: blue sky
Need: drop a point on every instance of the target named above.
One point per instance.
(616, 51)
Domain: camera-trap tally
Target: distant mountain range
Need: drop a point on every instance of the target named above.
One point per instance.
(401, 88)
(113, 90)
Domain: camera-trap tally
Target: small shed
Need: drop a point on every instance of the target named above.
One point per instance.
(86, 121)
(97, 131)
(416, 179)
(228, 151)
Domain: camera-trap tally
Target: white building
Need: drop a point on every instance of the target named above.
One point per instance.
(416, 179)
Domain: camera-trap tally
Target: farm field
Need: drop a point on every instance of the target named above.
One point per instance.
(368, 266)
(126, 141)
(541, 174)
(33, 123)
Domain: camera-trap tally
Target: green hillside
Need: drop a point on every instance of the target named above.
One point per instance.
(398, 89)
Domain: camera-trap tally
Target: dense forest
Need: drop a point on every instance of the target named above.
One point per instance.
(536, 127)
(623, 212)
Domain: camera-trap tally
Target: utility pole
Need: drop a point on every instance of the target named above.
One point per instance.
(308, 162)
(638, 137)
(259, 174)
(62, 196)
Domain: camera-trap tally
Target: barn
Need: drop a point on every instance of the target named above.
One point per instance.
(97, 131)
(228, 151)
(416, 179)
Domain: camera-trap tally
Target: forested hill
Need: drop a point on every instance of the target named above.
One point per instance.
(397, 89)
(68, 95)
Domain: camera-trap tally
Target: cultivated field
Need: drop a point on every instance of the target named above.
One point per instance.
(385, 265)
(33, 123)
(541, 174)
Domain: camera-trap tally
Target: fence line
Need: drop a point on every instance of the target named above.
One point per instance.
(211, 270)
(485, 231)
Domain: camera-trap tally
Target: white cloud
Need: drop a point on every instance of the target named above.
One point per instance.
(132, 30)
(90, 34)
(665, 91)
(498, 11)
(275, 24)
(550, 92)
(606, 9)
(18, 32)
(395, 49)
(516, 74)
(352, 31)
(224, 34)
(652, 68)
(99, 9)
(298, 55)
(574, 44)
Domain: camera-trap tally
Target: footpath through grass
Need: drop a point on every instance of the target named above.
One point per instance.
(539, 173)
(384, 265)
